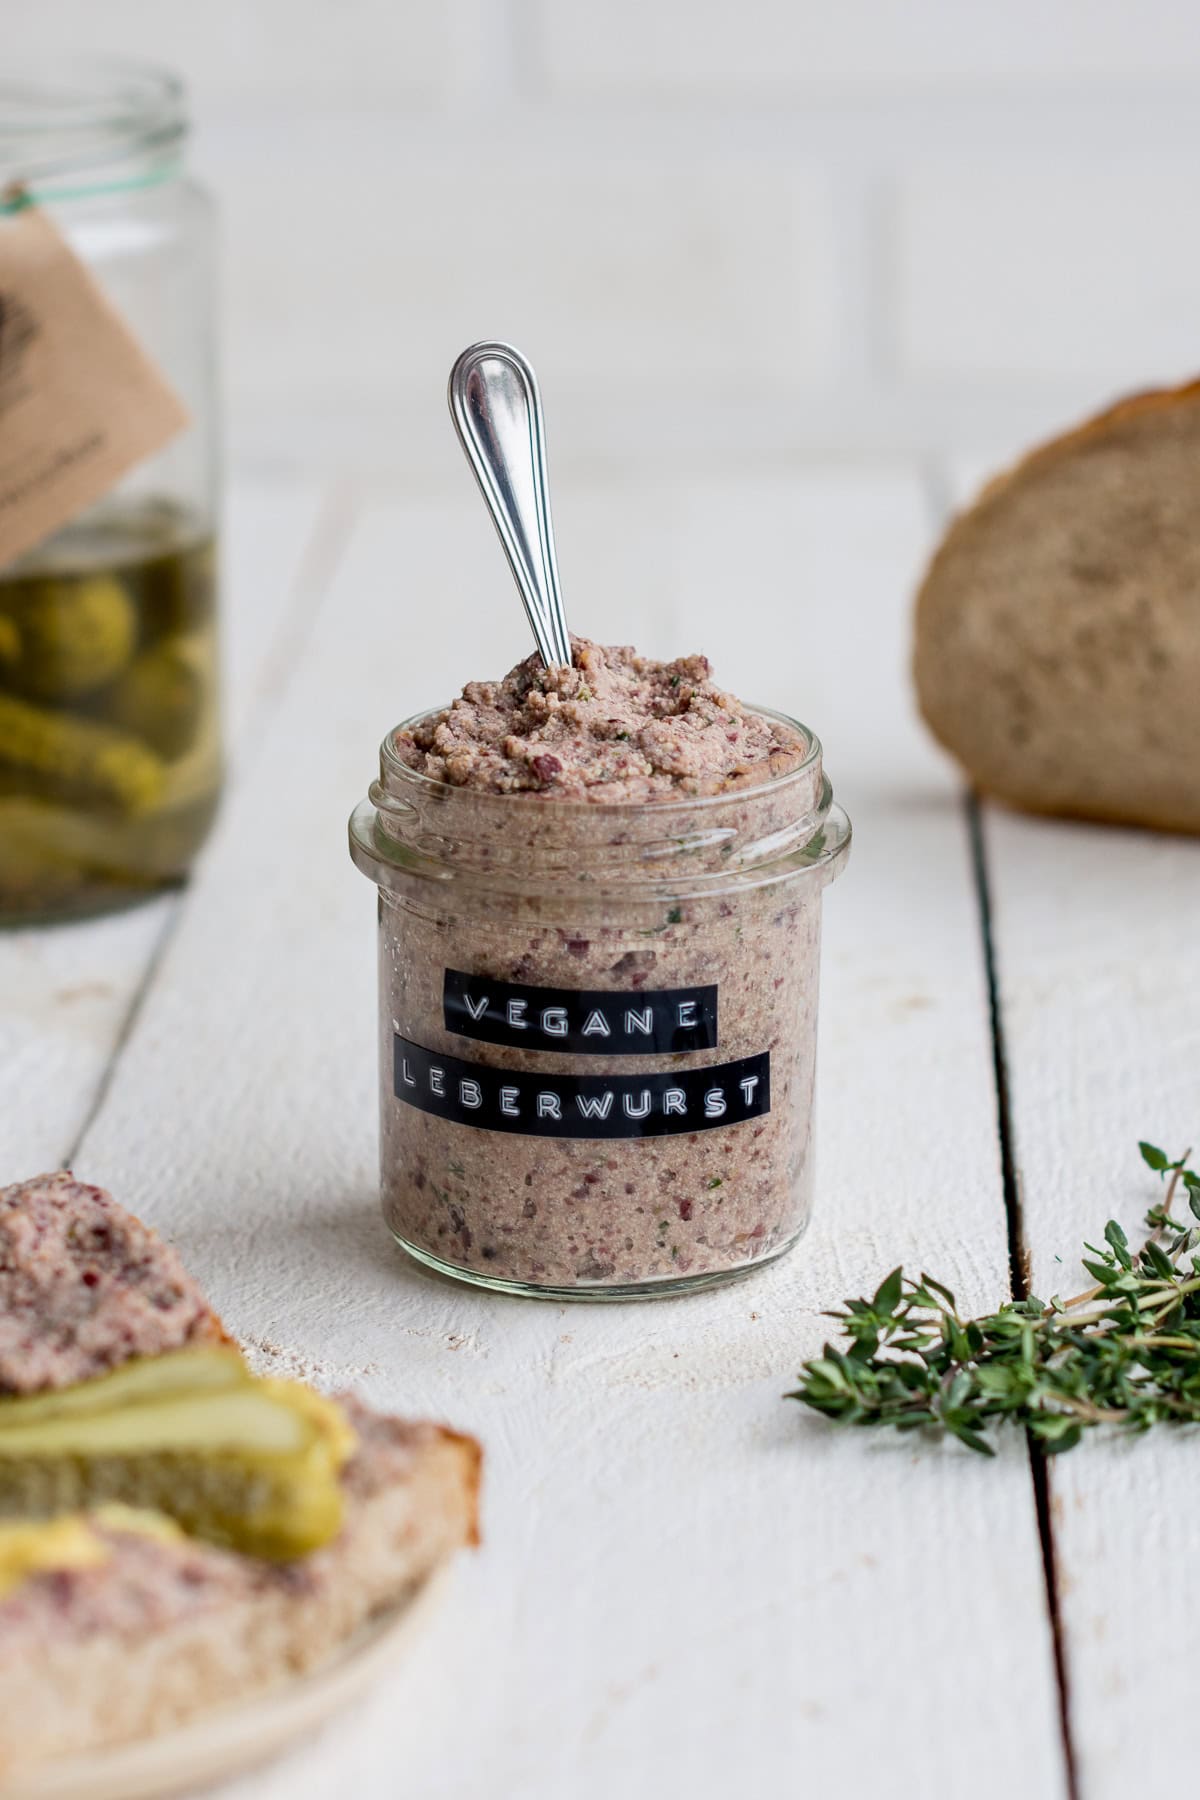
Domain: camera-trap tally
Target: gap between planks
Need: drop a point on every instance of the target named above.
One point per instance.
(125, 1027)
(1019, 1264)
(939, 492)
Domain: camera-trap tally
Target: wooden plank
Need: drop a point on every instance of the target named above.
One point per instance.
(66, 994)
(1099, 974)
(1099, 983)
(687, 1584)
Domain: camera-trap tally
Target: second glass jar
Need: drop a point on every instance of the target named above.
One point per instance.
(110, 757)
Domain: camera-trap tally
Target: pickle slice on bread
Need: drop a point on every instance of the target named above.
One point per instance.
(239, 1460)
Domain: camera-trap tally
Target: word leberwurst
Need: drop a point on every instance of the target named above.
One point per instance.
(581, 1106)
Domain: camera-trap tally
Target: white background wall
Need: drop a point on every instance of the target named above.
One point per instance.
(736, 227)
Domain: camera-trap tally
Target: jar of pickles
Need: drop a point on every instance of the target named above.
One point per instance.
(110, 760)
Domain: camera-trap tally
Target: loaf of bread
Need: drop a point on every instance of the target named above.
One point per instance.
(1058, 627)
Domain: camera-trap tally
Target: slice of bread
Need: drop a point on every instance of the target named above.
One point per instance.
(169, 1627)
(149, 1628)
(1058, 627)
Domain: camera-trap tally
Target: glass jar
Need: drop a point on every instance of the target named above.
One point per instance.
(110, 760)
(598, 1027)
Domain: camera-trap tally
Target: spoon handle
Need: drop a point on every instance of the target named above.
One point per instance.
(497, 412)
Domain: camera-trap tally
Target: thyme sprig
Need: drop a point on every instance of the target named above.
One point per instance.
(1125, 1352)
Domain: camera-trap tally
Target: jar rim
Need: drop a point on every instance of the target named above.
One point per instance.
(393, 765)
(414, 832)
(71, 125)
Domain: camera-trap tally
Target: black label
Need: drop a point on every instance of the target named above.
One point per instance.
(581, 1106)
(591, 1021)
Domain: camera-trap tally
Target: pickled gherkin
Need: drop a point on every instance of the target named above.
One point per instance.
(59, 757)
(36, 874)
(159, 698)
(248, 1461)
(61, 639)
(109, 737)
(177, 594)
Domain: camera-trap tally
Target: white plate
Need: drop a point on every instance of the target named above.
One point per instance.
(229, 1740)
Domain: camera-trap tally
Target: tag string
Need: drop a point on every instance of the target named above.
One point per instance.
(16, 199)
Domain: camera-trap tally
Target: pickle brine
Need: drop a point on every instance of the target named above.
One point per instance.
(110, 761)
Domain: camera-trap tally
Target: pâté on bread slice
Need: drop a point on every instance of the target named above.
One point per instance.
(116, 1622)
(84, 1286)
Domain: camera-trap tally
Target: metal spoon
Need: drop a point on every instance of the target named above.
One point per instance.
(497, 412)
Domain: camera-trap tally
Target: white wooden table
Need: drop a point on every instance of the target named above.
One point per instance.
(688, 1585)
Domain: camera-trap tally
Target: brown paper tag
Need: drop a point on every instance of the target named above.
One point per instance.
(80, 401)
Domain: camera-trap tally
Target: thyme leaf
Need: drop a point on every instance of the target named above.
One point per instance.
(1124, 1352)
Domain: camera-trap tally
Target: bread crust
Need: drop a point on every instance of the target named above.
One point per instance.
(942, 600)
(1146, 401)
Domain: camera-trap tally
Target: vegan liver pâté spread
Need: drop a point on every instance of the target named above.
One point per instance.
(599, 929)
